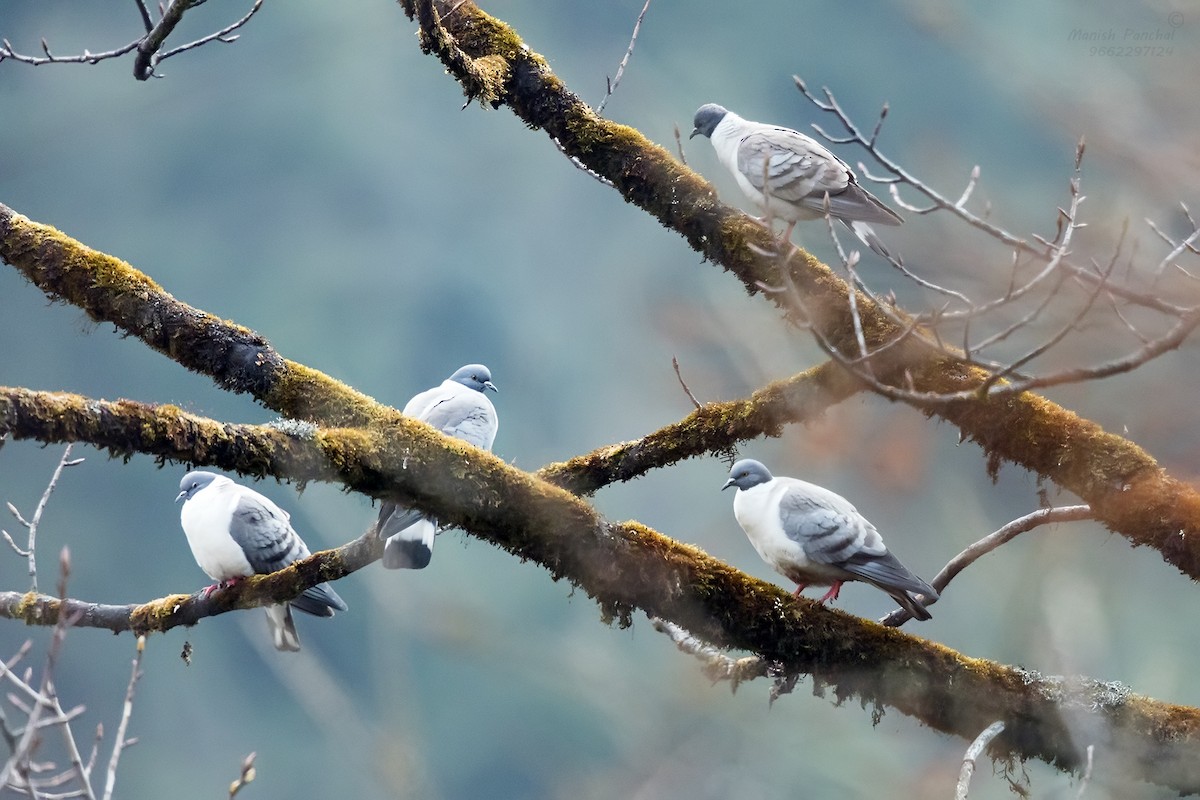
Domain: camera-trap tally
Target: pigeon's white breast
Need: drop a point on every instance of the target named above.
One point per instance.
(205, 518)
(726, 138)
(757, 511)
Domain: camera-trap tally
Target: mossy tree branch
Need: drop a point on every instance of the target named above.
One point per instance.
(1129, 492)
(624, 566)
(713, 428)
(237, 358)
(240, 360)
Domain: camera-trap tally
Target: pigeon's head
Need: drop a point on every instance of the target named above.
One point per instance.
(747, 473)
(194, 482)
(708, 117)
(475, 376)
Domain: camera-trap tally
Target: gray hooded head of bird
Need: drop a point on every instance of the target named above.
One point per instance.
(746, 474)
(707, 118)
(193, 482)
(474, 376)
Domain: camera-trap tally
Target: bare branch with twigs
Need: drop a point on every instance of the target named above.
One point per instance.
(1036, 519)
(30, 551)
(616, 81)
(148, 47)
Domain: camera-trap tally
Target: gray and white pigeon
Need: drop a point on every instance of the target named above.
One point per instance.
(788, 174)
(235, 532)
(815, 537)
(457, 407)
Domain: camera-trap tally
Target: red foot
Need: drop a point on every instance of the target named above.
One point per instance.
(832, 594)
(208, 590)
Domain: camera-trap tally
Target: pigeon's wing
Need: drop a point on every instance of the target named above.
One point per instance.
(795, 168)
(829, 533)
(262, 530)
(457, 411)
(419, 405)
(790, 166)
(466, 415)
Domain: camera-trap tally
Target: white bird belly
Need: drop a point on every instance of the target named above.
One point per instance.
(206, 525)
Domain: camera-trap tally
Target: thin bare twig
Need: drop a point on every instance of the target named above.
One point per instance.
(579, 165)
(120, 742)
(221, 35)
(147, 22)
(86, 57)
(716, 665)
(679, 143)
(686, 390)
(1087, 772)
(245, 777)
(973, 753)
(612, 85)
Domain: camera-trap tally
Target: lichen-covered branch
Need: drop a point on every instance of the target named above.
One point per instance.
(237, 358)
(627, 566)
(1125, 487)
(712, 428)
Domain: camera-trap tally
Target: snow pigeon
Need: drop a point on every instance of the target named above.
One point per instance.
(457, 407)
(789, 175)
(815, 537)
(235, 532)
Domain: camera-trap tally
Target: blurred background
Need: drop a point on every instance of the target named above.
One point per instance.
(318, 182)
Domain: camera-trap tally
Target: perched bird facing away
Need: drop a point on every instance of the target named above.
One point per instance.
(788, 174)
(235, 532)
(457, 407)
(815, 537)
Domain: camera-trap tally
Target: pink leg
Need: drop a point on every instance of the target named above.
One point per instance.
(208, 590)
(832, 594)
(799, 588)
(787, 234)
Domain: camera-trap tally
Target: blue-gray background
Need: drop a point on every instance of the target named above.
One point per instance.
(318, 182)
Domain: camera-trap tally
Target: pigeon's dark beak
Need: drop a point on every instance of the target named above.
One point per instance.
(694, 132)
(490, 385)
(181, 496)
(728, 483)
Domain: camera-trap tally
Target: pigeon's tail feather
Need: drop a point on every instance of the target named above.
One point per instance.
(393, 519)
(887, 573)
(909, 602)
(868, 236)
(412, 548)
(859, 204)
(320, 600)
(283, 628)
